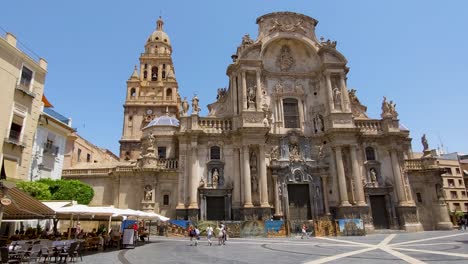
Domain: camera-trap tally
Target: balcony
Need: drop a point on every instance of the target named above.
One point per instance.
(24, 88)
(214, 125)
(15, 138)
(370, 126)
(50, 149)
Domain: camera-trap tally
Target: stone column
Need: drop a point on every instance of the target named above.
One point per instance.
(344, 94)
(341, 178)
(281, 109)
(236, 196)
(399, 185)
(244, 91)
(234, 95)
(277, 199)
(116, 193)
(258, 96)
(180, 189)
(159, 72)
(247, 180)
(301, 114)
(329, 92)
(193, 178)
(359, 191)
(263, 178)
(325, 193)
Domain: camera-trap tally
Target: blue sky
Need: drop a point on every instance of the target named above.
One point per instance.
(413, 52)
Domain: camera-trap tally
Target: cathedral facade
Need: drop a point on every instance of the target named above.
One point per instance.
(285, 140)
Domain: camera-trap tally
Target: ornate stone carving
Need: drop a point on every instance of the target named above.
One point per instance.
(251, 96)
(246, 40)
(314, 85)
(357, 108)
(148, 193)
(299, 87)
(222, 92)
(253, 117)
(327, 43)
(285, 60)
(292, 27)
(388, 109)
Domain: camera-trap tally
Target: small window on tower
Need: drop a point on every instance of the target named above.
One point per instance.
(157, 38)
(165, 40)
(145, 74)
(169, 93)
(162, 152)
(154, 74)
(133, 92)
(163, 74)
(146, 66)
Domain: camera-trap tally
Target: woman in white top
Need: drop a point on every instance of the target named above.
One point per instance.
(209, 234)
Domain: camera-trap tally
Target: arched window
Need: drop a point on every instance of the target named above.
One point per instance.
(169, 93)
(215, 153)
(154, 73)
(166, 199)
(145, 74)
(370, 153)
(163, 74)
(132, 92)
(291, 113)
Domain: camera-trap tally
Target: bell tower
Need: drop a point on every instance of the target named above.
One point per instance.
(152, 91)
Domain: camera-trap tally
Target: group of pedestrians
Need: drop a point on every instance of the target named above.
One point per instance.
(194, 234)
(463, 223)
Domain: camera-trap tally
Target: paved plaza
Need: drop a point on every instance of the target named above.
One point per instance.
(422, 247)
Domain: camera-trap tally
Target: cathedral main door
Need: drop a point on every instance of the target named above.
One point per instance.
(379, 211)
(299, 205)
(215, 208)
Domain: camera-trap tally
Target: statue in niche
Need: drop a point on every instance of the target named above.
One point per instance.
(299, 87)
(294, 153)
(195, 106)
(185, 106)
(373, 176)
(251, 90)
(337, 96)
(274, 154)
(285, 60)
(215, 178)
(424, 142)
(151, 139)
(318, 123)
(254, 183)
(148, 193)
(253, 161)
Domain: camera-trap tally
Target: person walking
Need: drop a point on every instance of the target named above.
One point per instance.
(221, 236)
(209, 234)
(197, 235)
(304, 232)
(191, 233)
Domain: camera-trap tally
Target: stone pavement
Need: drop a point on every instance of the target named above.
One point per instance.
(422, 247)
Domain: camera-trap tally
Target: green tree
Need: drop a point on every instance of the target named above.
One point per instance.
(36, 189)
(71, 190)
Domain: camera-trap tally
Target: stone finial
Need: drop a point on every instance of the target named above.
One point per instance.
(135, 73)
(159, 24)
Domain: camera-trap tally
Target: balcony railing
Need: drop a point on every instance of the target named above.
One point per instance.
(15, 138)
(50, 149)
(214, 125)
(164, 164)
(25, 89)
(371, 125)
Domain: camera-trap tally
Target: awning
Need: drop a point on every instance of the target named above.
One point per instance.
(10, 168)
(23, 206)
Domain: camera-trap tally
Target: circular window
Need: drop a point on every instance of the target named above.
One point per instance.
(157, 38)
(165, 40)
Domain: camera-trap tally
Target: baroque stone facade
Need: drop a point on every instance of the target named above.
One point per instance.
(286, 139)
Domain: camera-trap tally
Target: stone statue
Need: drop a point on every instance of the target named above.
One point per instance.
(215, 178)
(148, 193)
(424, 142)
(253, 161)
(299, 87)
(285, 60)
(151, 140)
(278, 88)
(185, 106)
(246, 40)
(274, 154)
(318, 123)
(388, 109)
(195, 107)
(254, 183)
(251, 90)
(373, 175)
(337, 95)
